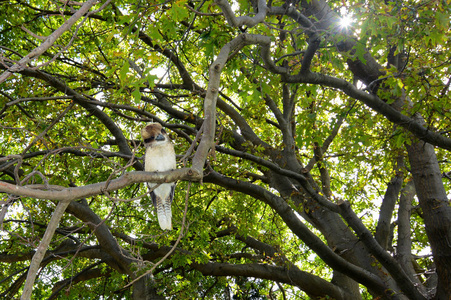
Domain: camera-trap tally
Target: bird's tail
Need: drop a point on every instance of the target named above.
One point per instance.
(164, 214)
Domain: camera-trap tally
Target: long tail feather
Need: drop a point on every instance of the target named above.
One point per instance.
(164, 214)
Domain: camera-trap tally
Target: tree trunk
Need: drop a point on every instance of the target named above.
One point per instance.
(436, 210)
(144, 289)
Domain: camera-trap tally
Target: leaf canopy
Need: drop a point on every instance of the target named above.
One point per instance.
(321, 116)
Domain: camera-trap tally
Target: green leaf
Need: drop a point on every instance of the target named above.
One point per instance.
(151, 80)
(123, 71)
(136, 95)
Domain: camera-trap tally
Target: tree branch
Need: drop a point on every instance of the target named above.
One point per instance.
(404, 253)
(86, 274)
(300, 230)
(80, 99)
(49, 41)
(376, 104)
(274, 167)
(207, 141)
(293, 276)
(246, 131)
(290, 274)
(388, 204)
(42, 248)
(73, 193)
(382, 256)
(243, 20)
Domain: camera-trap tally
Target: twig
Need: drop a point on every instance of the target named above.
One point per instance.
(42, 38)
(48, 127)
(193, 145)
(201, 13)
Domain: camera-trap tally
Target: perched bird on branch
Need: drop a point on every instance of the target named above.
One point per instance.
(159, 157)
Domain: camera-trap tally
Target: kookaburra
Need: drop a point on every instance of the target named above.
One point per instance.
(159, 157)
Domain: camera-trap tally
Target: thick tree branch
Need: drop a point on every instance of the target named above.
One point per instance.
(243, 20)
(382, 256)
(376, 104)
(121, 258)
(73, 193)
(301, 231)
(305, 281)
(388, 205)
(404, 249)
(207, 141)
(436, 208)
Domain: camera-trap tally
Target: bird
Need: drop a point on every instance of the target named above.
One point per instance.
(159, 157)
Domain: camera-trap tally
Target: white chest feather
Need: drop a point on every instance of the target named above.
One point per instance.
(160, 158)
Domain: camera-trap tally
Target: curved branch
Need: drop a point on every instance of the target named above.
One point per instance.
(84, 102)
(376, 104)
(86, 274)
(274, 167)
(301, 230)
(293, 276)
(73, 193)
(209, 125)
(211, 96)
(382, 256)
(243, 20)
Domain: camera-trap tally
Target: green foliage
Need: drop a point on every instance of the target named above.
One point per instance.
(128, 65)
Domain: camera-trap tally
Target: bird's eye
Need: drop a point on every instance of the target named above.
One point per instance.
(148, 140)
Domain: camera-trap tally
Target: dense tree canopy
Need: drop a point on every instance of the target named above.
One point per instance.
(312, 138)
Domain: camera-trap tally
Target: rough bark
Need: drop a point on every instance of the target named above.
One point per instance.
(388, 204)
(423, 162)
(436, 210)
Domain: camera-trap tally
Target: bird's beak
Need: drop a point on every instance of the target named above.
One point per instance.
(159, 137)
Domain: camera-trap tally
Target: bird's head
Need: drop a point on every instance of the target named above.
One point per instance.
(154, 134)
